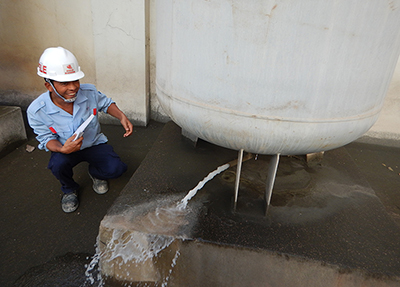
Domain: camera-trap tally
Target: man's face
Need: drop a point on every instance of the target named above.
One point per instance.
(67, 89)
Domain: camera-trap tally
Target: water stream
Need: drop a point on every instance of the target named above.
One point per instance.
(138, 238)
(191, 193)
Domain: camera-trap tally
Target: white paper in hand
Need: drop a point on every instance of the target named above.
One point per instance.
(82, 127)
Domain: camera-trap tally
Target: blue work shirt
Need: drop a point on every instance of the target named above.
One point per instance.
(50, 122)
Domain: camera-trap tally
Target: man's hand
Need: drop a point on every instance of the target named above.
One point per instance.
(117, 113)
(70, 145)
(127, 126)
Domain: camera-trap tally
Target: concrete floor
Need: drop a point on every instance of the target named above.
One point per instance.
(35, 231)
(325, 212)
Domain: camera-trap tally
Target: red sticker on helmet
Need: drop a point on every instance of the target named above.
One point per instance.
(68, 69)
(42, 68)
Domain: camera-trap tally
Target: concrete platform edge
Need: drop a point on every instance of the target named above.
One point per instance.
(206, 261)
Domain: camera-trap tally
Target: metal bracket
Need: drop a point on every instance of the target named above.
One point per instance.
(272, 169)
(190, 137)
(238, 172)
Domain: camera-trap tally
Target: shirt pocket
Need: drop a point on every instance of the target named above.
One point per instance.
(93, 129)
(92, 124)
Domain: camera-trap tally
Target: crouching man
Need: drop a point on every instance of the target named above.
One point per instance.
(55, 116)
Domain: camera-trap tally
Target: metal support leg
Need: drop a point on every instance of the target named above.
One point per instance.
(189, 136)
(272, 169)
(238, 172)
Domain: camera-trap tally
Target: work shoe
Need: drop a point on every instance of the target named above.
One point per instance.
(69, 202)
(99, 186)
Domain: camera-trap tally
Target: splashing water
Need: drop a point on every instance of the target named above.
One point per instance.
(132, 249)
(165, 282)
(211, 175)
(136, 246)
(93, 271)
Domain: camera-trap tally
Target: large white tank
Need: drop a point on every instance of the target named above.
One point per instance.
(269, 77)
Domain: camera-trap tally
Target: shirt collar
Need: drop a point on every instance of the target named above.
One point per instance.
(81, 97)
(51, 107)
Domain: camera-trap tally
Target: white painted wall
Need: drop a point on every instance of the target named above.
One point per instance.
(119, 36)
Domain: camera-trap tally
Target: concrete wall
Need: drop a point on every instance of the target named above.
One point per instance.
(119, 36)
(29, 27)
(107, 37)
(114, 43)
(388, 124)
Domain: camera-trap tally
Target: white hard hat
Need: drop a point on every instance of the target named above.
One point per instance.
(60, 65)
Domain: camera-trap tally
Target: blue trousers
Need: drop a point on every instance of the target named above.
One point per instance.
(104, 164)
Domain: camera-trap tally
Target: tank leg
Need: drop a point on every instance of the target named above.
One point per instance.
(272, 169)
(238, 172)
(190, 137)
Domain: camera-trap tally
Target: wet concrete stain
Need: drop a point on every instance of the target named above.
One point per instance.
(326, 212)
(63, 271)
